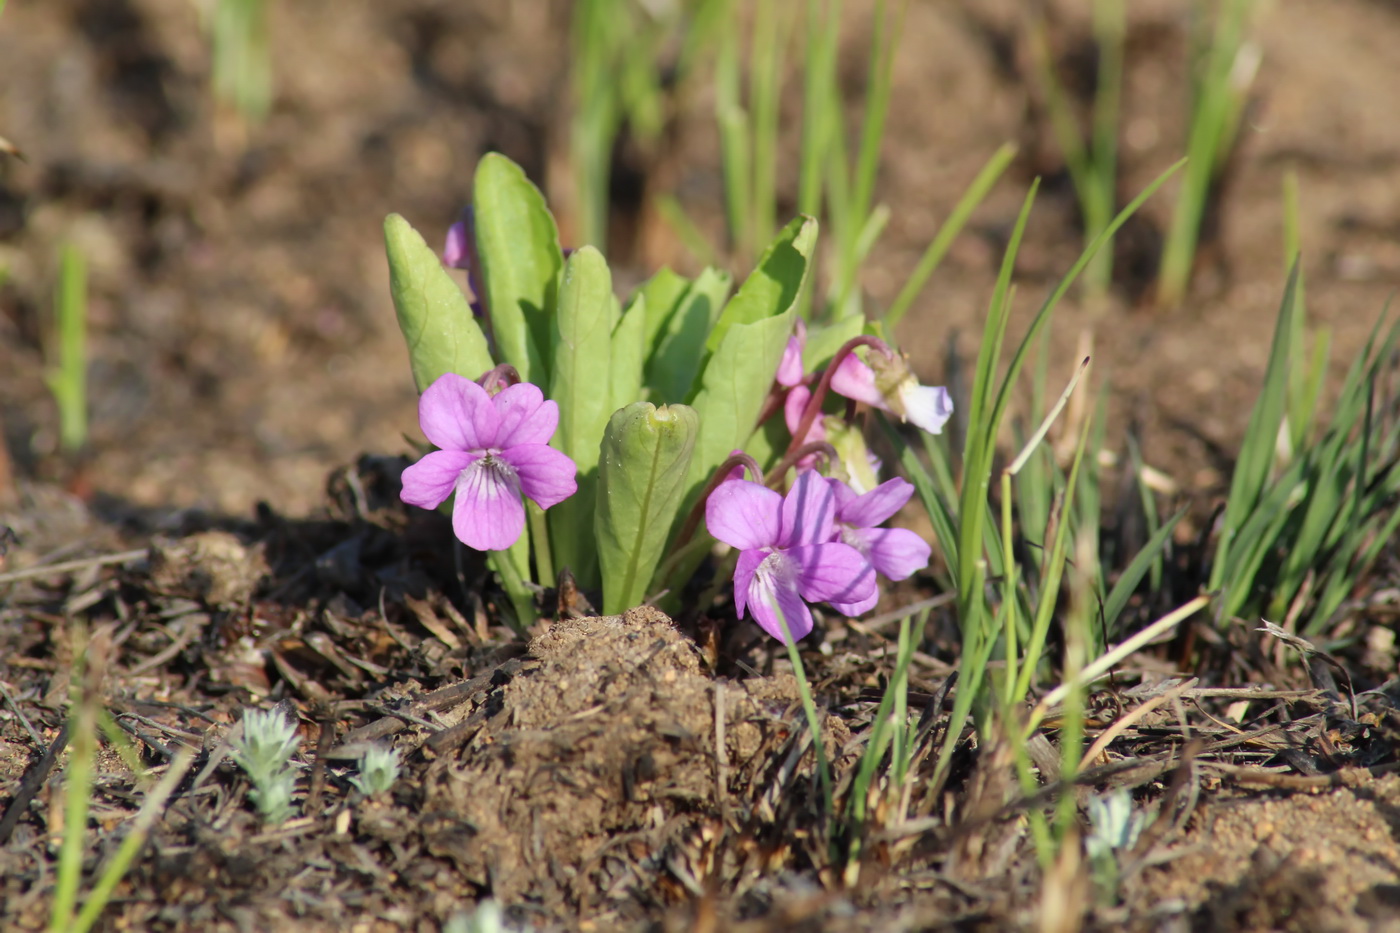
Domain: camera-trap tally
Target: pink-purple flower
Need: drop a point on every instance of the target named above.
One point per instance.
(456, 251)
(895, 553)
(790, 371)
(494, 450)
(787, 553)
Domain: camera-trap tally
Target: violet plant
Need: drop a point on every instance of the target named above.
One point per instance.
(576, 430)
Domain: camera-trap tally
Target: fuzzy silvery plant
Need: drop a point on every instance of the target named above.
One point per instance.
(379, 770)
(264, 750)
(620, 439)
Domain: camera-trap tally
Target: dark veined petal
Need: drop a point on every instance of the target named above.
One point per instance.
(773, 598)
(488, 514)
(748, 562)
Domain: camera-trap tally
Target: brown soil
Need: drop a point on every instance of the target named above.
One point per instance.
(243, 348)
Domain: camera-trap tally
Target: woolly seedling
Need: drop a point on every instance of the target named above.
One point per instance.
(379, 769)
(264, 750)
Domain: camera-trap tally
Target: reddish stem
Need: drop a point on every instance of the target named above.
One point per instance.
(788, 461)
(692, 521)
(814, 404)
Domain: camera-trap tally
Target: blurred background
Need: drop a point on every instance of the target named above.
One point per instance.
(201, 184)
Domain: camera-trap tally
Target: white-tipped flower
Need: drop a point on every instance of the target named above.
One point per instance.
(887, 384)
(379, 769)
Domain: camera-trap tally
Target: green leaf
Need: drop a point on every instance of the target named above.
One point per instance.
(748, 343)
(518, 246)
(662, 294)
(628, 350)
(733, 388)
(436, 321)
(582, 351)
(641, 483)
(674, 363)
(774, 284)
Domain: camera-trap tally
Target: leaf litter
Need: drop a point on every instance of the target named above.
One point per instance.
(627, 772)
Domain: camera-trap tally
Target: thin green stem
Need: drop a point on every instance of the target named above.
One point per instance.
(522, 599)
(809, 707)
(151, 809)
(77, 788)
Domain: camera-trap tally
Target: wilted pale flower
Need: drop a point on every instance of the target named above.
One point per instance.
(887, 384)
(494, 450)
(787, 555)
(895, 553)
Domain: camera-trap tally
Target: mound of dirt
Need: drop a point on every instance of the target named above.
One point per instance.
(611, 757)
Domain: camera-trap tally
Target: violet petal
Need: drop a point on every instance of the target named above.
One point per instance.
(808, 513)
(488, 514)
(856, 381)
(429, 482)
(545, 474)
(773, 590)
(833, 572)
(897, 553)
(877, 506)
(526, 418)
(749, 561)
(744, 514)
(456, 414)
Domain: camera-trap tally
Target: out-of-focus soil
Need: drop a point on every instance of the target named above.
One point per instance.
(1305, 862)
(242, 336)
(243, 346)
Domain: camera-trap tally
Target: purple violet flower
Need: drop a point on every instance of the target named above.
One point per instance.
(787, 555)
(493, 451)
(895, 553)
(890, 386)
(790, 369)
(456, 251)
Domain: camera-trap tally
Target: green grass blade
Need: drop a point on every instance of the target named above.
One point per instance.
(68, 377)
(1127, 582)
(1043, 315)
(1257, 449)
